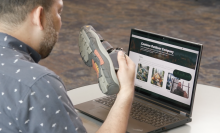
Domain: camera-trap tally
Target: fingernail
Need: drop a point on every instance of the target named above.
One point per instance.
(121, 53)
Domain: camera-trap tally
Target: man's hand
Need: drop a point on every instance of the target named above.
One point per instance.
(126, 72)
(117, 119)
(185, 94)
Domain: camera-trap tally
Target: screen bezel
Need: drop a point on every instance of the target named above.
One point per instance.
(167, 105)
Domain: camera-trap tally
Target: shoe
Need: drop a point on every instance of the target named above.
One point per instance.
(95, 53)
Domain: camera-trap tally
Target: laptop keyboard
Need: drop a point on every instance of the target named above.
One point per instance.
(143, 113)
(108, 101)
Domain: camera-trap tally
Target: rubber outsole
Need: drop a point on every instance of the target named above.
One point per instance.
(89, 42)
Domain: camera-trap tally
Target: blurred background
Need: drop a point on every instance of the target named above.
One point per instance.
(193, 20)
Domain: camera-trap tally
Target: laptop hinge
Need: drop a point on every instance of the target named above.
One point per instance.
(182, 113)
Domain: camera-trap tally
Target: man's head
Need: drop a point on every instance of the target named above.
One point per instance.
(179, 84)
(35, 22)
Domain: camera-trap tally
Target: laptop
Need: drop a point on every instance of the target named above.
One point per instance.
(165, 83)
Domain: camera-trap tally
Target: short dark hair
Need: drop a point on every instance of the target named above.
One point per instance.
(14, 12)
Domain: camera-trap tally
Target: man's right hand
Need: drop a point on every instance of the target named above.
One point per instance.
(126, 72)
(117, 119)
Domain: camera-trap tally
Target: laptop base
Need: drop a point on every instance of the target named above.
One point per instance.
(100, 112)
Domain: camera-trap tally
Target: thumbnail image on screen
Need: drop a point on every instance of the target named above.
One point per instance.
(157, 77)
(177, 86)
(142, 72)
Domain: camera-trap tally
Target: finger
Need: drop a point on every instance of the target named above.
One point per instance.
(129, 61)
(121, 59)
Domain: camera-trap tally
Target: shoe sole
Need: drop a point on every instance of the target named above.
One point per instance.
(91, 49)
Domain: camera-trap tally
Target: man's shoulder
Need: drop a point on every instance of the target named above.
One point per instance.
(23, 70)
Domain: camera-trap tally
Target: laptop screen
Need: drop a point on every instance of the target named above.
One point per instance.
(166, 68)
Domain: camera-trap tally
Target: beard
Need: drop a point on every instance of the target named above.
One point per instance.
(50, 38)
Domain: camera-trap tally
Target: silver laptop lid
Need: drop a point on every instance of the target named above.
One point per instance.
(166, 69)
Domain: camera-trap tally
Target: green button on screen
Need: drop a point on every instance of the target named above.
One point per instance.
(182, 75)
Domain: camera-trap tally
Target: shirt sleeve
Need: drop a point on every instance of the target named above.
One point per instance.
(48, 109)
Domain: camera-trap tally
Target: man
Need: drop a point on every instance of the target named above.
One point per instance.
(179, 91)
(32, 98)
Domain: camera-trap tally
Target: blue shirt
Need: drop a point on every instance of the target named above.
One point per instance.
(32, 98)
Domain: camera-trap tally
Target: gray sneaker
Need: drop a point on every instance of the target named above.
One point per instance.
(96, 53)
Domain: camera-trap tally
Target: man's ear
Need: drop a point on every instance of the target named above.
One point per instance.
(38, 17)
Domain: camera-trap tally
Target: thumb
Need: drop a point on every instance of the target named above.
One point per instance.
(121, 59)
